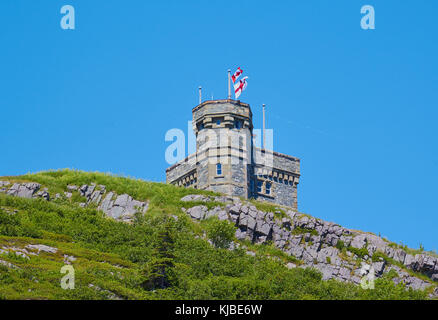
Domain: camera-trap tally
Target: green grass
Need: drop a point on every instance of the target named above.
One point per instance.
(155, 257)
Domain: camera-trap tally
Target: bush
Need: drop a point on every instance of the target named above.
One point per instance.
(220, 232)
(340, 245)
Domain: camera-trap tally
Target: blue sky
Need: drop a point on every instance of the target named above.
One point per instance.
(359, 107)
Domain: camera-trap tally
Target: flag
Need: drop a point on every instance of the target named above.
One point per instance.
(236, 74)
(240, 86)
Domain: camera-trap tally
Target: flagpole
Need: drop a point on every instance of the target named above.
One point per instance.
(264, 132)
(200, 94)
(229, 84)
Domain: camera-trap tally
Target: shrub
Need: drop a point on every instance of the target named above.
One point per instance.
(220, 232)
(340, 245)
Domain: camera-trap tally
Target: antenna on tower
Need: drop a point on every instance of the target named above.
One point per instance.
(200, 94)
(264, 131)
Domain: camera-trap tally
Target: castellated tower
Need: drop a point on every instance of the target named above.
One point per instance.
(227, 160)
(223, 130)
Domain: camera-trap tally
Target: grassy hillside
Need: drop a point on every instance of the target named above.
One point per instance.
(162, 255)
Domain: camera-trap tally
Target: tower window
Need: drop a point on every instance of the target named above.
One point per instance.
(268, 188)
(218, 122)
(218, 169)
(251, 185)
(238, 124)
(259, 186)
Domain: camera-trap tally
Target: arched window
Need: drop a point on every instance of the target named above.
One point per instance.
(218, 169)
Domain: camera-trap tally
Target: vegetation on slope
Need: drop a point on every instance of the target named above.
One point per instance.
(162, 255)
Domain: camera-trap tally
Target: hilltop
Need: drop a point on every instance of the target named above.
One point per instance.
(131, 239)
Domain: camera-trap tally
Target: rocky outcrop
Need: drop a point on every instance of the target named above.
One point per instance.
(120, 207)
(41, 247)
(123, 207)
(337, 252)
(24, 190)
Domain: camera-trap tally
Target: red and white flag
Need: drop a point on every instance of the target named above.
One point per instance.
(240, 86)
(236, 74)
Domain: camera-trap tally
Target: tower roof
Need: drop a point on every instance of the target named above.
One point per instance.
(235, 102)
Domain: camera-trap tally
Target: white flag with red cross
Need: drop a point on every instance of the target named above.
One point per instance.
(240, 86)
(236, 74)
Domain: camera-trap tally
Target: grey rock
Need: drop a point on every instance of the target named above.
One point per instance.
(243, 220)
(376, 243)
(309, 255)
(344, 273)
(72, 188)
(8, 264)
(24, 190)
(328, 252)
(95, 198)
(251, 223)
(222, 215)
(331, 239)
(291, 214)
(69, 259)
(197, 212)
(286, 223)
(122, 200)
(240, 235)
(389, 252)
(235, 210)
(250, 253)
(399, 255)
(83, 189)
(4, 183)
(263, 228)
(41, 247)
(328, 271)
(379, 267)
(410, 261)
(107, 203)
(296, 251)
(43, 194)
(253, 213)
(359, 241)
(195, 197)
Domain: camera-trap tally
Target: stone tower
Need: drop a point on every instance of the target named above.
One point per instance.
(223, 130)
(227, 161)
